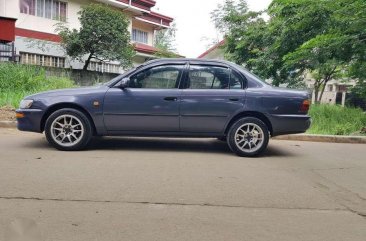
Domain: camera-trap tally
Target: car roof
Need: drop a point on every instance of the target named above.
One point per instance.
(191, 60)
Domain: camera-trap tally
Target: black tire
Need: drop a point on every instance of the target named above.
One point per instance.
(82, 139)
(231, 137)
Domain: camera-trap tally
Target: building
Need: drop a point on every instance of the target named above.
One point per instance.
(334, 92)
(215, 52)
(27, 27)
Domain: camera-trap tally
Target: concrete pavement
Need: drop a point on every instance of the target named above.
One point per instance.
(183, 189)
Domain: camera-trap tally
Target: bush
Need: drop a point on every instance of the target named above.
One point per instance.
(336, 120)
(18, 81)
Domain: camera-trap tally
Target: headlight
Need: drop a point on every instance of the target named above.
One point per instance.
(25, 104)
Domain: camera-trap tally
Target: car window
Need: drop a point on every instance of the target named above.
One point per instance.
(160, 77)
(208, 77)
(236, 81)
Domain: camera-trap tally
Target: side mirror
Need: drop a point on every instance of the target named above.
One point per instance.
(124, 83)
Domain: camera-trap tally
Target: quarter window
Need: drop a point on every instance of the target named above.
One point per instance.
(161, 77)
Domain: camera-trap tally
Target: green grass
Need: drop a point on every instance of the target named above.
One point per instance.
(336, 120)
(18, 81)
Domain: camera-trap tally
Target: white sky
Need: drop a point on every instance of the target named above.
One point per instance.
(195, 29)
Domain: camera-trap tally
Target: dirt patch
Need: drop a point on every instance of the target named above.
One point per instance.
(7, 114)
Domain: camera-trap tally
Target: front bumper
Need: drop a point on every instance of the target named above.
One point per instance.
(289, 124)
(31, 120)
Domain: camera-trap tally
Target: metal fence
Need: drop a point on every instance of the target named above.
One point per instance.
(7, 52)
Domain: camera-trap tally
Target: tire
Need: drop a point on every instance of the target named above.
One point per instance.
(248, 144)
(68, 130)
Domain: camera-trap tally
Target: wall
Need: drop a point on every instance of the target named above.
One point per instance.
(80, 77)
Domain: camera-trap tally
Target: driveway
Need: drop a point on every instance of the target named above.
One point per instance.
(183, 189)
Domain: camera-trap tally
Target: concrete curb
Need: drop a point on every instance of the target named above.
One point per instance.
(323, 138)
(8, 124)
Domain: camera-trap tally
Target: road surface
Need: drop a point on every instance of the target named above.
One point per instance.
(181, 189)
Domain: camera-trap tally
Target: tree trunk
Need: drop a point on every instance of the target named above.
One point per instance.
(316, 91)
(87, 62)
(322, 91)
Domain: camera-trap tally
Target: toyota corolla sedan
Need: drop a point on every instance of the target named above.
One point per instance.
(170, 98)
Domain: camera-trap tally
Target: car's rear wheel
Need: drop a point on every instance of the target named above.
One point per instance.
(248, 137)
(68, 130)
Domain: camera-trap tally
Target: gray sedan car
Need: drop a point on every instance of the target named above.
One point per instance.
(170, 98)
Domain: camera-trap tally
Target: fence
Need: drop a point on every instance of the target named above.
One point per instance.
(7, 52)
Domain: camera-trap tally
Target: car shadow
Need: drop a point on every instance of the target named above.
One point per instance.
(159, 144)
(206, 145)
(174, 144)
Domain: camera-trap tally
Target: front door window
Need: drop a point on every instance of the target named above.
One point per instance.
(161, 77)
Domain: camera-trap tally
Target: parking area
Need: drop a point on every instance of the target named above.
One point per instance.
(183, 189)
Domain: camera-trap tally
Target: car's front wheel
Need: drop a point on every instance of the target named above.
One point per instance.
(248, 137)
(68, 130)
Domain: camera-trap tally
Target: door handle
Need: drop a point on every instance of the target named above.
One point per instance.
(171, 98)
(234, 99)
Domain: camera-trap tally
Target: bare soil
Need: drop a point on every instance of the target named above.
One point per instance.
(7, 114)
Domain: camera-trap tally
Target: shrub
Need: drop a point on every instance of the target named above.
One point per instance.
(336, 120)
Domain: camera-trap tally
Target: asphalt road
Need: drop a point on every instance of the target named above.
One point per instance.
(181, 189)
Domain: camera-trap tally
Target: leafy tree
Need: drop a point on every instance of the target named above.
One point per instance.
(103, 35)
(323, 38)
(164, 41)
(165, 38)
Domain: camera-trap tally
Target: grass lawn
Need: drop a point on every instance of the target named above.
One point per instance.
(336, 120)
(18, 81)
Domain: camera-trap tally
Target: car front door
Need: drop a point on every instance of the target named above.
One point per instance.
(211, 95)
(150, 103)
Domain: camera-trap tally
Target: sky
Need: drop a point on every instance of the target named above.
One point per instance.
(195, 30)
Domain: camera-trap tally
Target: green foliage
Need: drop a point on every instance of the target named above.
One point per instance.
(103, 36)
(164, 39)
(336, 120)
(326, 38)
(18, 81)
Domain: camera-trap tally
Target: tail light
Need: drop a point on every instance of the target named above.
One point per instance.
(305, 105)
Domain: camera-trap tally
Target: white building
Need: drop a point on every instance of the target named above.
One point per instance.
(36, 40)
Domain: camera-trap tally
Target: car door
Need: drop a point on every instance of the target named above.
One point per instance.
(150, 103)
(211, 95)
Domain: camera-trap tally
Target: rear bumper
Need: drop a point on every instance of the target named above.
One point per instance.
(289, 124)
(31, 120)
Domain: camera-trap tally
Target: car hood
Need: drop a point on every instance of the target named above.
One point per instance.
(68, 92)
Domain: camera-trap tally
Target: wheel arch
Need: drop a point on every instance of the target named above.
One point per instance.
(255, 114)
(59, 106)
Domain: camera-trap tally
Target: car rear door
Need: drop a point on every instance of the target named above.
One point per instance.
(211, 95)
(149, 104)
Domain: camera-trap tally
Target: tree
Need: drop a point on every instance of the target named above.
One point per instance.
(164, 41)
(323, 38)
(103, 35)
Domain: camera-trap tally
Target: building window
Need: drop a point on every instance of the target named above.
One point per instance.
(42, 60)
(139, 36)
(52, 9)
(104, 67)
